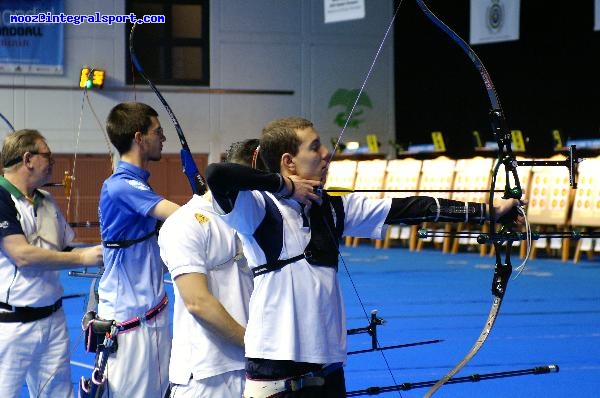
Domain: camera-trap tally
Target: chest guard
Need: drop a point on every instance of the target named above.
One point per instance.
(326, 225)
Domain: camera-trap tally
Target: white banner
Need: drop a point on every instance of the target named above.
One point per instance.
(494, 20)
(343, 10)
(596, 14)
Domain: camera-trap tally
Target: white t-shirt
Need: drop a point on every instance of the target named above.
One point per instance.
(45, 227)
(195, 239)
(297, 313)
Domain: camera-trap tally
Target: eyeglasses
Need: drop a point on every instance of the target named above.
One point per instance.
(47, 155)
(159, 132)
(12, 162)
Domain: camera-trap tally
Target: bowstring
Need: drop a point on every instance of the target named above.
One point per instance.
(68, 183)
(70, 179)
(111, 153)
(528, 240)
(364, 83)
(329, 160)
(136, 66)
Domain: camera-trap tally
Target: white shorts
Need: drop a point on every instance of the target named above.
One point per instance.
(36, 353)
(140, 367)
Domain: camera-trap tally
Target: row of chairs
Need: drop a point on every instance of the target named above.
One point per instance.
(553, 205)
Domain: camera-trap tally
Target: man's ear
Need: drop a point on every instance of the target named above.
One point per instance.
(287, 162)
(137, 137)
(27, 158)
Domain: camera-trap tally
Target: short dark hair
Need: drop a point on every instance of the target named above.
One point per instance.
(278, 137)
(245, 152)
(124, 120)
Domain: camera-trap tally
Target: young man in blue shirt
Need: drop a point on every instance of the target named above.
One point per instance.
(131, 290)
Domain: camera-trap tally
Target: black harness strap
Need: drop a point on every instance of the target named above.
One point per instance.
(121, 244)
(274, 266)
(125, 243)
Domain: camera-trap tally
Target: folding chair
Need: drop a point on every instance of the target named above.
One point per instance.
(549, 204)
(370, 175)
(471, 174)
(402, 174)
(437, 173)
(586, 206)
(341, 174)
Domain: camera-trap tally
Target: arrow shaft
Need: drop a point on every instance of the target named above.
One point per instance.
(472, 378)
(341, 190)
(392, 347)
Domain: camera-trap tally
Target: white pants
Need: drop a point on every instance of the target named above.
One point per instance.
(36, 353)
(225, 385)
(140, 367)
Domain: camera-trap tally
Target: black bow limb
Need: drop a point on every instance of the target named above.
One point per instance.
(190, 169)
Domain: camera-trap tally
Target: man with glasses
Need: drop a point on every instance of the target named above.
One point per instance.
(34, 246)
(131, 290)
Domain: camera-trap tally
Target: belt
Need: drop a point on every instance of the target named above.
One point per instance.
(255, 388)
(273, 388)
(28, 314)
(148, 315)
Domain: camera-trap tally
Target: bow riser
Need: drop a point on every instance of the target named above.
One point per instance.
(190, 169)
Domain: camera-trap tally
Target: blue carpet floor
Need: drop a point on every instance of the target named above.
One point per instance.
(550, 315)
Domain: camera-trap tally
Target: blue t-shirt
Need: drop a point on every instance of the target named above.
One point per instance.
(132, 282)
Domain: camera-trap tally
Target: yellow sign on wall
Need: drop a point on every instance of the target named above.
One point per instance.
(558, 144)
(477, 139)
(517, 140)
(438, 141)
(372, 143)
